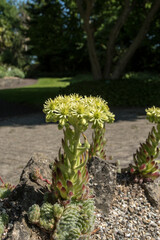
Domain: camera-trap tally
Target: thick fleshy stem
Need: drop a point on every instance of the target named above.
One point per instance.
(70, 175)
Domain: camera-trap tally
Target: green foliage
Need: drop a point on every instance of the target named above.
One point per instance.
(5, 189)
(136, 89)
(46, 220)
(77, 219)
(2, 72)
(43, 216)
(34, 213)
(3, 222)
(4, 192)
(140, 90)
(58, 210)
(55, 34)
(12, 40)
(74, 219)
(146, 166)
(11, 71)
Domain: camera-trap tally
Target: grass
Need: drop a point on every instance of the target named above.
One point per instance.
(134, 89)
(44, 88)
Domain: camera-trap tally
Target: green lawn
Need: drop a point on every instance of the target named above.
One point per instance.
(44, 88)
(135, 89)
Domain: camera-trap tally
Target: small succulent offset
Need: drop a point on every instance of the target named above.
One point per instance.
(71, 214)
(146, 166)
(3, 222)
(5, 189)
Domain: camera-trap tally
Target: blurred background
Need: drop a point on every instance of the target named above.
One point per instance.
(108, 48)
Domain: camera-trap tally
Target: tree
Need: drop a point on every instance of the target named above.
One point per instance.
(55, 36)
(11, 37)
(92, 10)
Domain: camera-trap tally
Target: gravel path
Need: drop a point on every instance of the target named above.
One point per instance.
(14, 82)
(23, 135)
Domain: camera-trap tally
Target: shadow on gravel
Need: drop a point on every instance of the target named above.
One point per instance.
(12, 114)
(128, 114)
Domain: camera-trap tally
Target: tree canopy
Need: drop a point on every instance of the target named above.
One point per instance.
(12, 38)
(109, 37)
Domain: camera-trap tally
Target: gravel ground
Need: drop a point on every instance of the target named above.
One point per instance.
(131, 215)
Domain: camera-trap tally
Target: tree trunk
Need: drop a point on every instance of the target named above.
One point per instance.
(121, 65)
(85, 15)
(96, 69)
(113, 36)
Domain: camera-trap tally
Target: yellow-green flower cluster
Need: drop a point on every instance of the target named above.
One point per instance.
(75, 109)
(153, 114)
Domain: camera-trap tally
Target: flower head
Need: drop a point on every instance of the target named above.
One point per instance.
(75, 109)
(153, 114)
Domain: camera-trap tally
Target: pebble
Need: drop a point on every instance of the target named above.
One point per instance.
(131, 216)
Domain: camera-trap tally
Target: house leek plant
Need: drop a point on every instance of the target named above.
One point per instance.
(70, 177)
(146, 165)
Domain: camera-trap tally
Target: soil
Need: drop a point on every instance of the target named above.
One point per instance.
(24, 132)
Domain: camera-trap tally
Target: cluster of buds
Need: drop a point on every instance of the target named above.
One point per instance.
(146, 166)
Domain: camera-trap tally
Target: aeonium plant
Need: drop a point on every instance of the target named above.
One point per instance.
(146, 166)
(71, 213)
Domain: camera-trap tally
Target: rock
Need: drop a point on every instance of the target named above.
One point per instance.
(25, 195)
(104, 175)
(152, 192)
(130, 209)
(29, 192)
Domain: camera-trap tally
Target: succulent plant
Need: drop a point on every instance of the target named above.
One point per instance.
(5, 189)
(34, 213)
(3, 222)
(98, 143)
(146, 166)
(42, 216)
(58, 210)
(77, 220)
(72, 216)
(74, 113)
